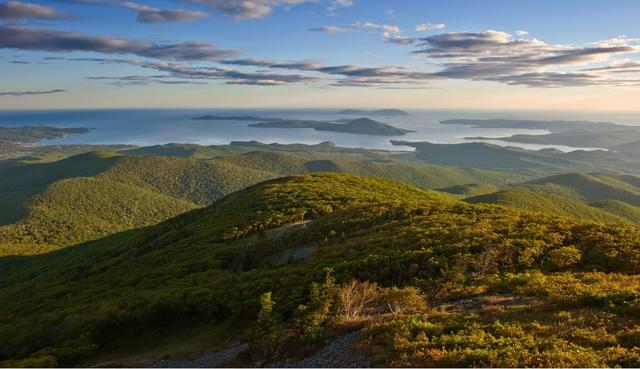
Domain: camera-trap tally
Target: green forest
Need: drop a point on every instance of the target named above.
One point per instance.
(134, 255)
(402, 264)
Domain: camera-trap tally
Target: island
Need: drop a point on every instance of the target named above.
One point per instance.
(375, 113)
(32, 134)
(361, 126)
(568, 133)
(241, 118)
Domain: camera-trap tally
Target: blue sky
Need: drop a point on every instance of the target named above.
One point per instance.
(580, 55)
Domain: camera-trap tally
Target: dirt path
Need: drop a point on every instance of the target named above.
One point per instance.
(339, 353)
(210, 360)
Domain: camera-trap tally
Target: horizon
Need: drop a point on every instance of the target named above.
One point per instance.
(498, 55)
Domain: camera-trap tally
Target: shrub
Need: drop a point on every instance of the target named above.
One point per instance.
(564, 257)
(403, 300)
(269, 334)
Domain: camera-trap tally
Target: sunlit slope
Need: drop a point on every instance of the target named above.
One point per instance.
(101, 193)
(596, 196)
(211, 265)
(90, 196)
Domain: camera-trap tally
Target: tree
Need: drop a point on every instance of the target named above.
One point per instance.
(356, 297)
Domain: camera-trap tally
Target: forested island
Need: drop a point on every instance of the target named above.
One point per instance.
(375, 113)
(31, 134)
(362, 126)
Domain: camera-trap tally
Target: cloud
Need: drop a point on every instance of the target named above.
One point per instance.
(400, 40)
(27, 38)
(424, 27)
(498, 56)
(147, 14)
(367, 26)
(556, 80)
(329, 29)
(617, 68)
(521, 33)
(29, 93)
(247, 9)
(346, 75)
(178, 73)
(143, 80)
(14, 10)
(335, 4)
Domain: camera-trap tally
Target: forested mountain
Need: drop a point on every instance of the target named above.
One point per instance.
(438, 282)
(61, 203)
(595, 196)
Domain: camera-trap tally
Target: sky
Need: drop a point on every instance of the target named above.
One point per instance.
(455, 54)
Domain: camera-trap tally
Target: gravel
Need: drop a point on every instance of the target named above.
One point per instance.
(209, 360)
(339, 353)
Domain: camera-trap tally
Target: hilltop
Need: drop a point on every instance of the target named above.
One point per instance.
(448, 283)
(595, 196)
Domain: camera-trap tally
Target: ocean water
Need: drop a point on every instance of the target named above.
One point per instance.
(161, 126)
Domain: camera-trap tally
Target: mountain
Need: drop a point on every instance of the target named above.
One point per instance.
(628, 148)
(504, 287)
(596, 196)
(113, 192)
(375, 113)
(545, 162)
(91, 195)
(547, 203)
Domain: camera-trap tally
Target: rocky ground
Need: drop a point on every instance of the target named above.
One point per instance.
(210, 360)
(338, 353)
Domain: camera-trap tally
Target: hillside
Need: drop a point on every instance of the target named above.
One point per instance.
(569, 133)
(503, 287)
(596, 196)
(82, 198)
(544, 162)
(46, 205)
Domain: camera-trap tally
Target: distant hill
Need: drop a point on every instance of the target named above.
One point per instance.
(569, 133)
(595, 196)
(30, 134)
(485, 155)
(281, 268)
(375, 113)
(468, 190)
(629, 148)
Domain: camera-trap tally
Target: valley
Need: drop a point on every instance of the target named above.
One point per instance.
(245, 246)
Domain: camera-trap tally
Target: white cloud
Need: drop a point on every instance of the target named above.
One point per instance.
(428, 27)
(335, 4)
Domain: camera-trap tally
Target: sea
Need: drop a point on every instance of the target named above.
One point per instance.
(146, 127)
